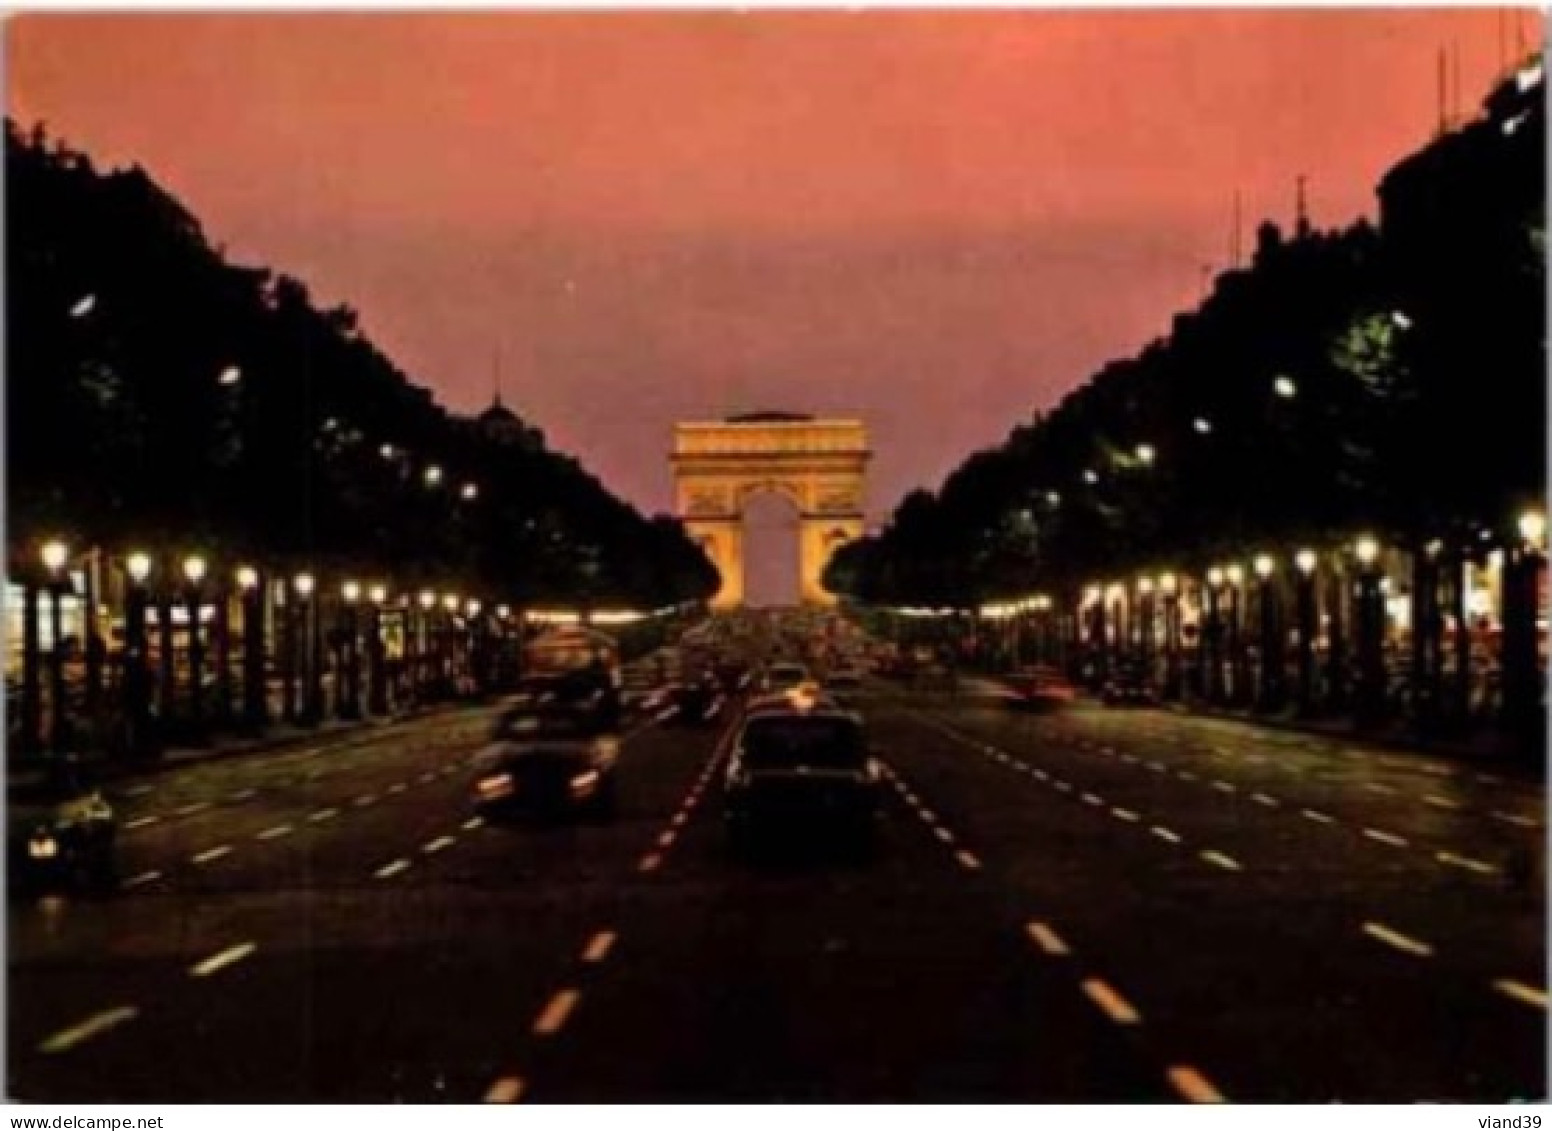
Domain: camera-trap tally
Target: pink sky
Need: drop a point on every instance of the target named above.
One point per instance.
(936, 221)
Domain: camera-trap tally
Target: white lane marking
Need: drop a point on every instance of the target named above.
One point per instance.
(1227, 863)
(1520, 992)
(1440, 802)
(366, 799)
(1396, 939)
(1317, 816)
(67, 1039)
(1165, 834)
(1489, 779)
(473, 823)
(142, 878)
(397, 787)
(1187, 775)
(553, 1018)
(507, 1090)
(426, 778)
(1158, 767)
(275, 831)
(140, 822)
(1193, 1086)
(1514, 819)
(1385, 838)
(942, 834)
(1065, 787)
(649, 862)
(438, 844)
(1224, 786)
(666, 840)
(222, 960)
(190, 810)
(680, 819)
(1116, 1007)
(1125, 815)
(1041, 774)
(244, 795)
(324, 815)
(927, 815)
(968, 861)
(1479, 866)
(1379, 787)
(598, 946)
(137, 791)
(1093, 799)
(1263, 799)
(388, 871)
(1047, 939)
(210, 854)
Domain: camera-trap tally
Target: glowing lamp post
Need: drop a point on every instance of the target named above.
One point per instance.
(56, 555)
(1370, 622)
(1270, 690)
(1305, 561)
(376, 653)
(312, 648)
(255, 708)
(347, 677)
(1523, 709)
(137, 569)
(194, 568)
(1169, 589)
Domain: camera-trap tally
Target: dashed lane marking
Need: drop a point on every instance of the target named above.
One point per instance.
(397, 787)
(1317, 816)
(365, 799)
(507, 1090)
(140, 822)
(649, 862)
(1514, 819)
(1193, 1086)
(1226, 862)
(190, 810)
(666, 840)
(1439, 802)
(1047, 939)
(553, 1019)
(1093, 799)
(220, 961)
(438, 844)
(244, 795)
(275, 831)
(1393, 938)
(388, 871)
(1225, 787)
(1165, 834)
(137, 790)
(1116, 1007)
(968, 861)
(598, 947)
(323, 815)
(1125, 815)
(1379, 787)
(1187, 775)
(95, 1025)
(1264, 799)
(142, 879)
(473, 823)
(1385, 838)
(1481, 867)
(210, 854)
(1520, 992)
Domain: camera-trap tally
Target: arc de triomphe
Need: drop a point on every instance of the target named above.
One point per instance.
(818, 464)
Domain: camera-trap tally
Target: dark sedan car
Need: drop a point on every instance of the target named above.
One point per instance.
(549, 753)
(62, 832)
(801, 771)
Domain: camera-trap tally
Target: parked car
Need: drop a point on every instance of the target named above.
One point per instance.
(801, 770)
(62, 833)
(1040, 688)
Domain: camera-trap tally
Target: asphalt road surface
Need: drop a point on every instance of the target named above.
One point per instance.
(1087, 906)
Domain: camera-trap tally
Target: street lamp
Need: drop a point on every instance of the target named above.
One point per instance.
(1271, 652)
(1371, 628)
(230, 376)
(1202, 425)
(1146, 454)
(433, 475)
(470, 492)
(1212, 635)
(376, 652)
(255, 706)
(1533, 528)
(194, 567)
(347, 677)
(312, 648)
(1305, 561)
(137, 566)
(1522, 706)
(1169, 587)
(1285, 388)
(55, 556)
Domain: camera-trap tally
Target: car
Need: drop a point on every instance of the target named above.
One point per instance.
(1040, 688)
(696, 702)
(801, 770)
(783, 676)
(553, 749)
(62, 832)
(1128, 687)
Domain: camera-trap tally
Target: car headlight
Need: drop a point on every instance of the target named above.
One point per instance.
(494, 786)
(606, 747)
(42, 846)
(585, 782)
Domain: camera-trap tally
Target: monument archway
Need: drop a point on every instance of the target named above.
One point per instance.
(818, 464)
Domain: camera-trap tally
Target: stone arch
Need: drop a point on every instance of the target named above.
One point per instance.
(818, 465)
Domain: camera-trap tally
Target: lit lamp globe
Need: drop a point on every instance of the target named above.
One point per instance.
(1305, 560)
(351, 591)
(1263, 566)
(1236, 574)
(194, 569)
(473, 607)
(55, 554)
(1145, 585)
(1215, 577)
(450, 602)
(305, 584)
(1533, 527)
(379, 594)
(1168, 584)
(138, 566)
(1368, 550)
(247, 578)
(427, 600)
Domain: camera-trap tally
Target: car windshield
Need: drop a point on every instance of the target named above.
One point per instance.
(789, 742)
